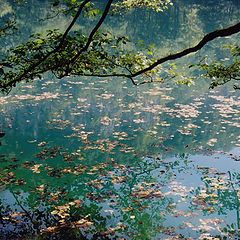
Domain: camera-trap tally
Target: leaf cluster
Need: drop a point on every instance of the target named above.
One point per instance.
(156, 5)
(221, 72)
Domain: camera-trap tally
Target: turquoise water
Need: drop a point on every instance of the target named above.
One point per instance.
(87, 158)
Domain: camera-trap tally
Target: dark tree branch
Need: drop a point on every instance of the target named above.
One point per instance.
(73, 22)
(92, 34)
(207, 38)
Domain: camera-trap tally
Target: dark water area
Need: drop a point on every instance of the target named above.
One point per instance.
(88, 158)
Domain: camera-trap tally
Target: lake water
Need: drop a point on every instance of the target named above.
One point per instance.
(87, 158)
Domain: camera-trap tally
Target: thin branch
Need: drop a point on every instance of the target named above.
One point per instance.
(25, 211)
(116, 64)
(112, 75)
(101, 75)
(93, 32)
(73, 22)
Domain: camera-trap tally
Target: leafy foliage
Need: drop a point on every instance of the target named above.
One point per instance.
(107, 55)
(156, 5)
(100, 53)
(222, 72)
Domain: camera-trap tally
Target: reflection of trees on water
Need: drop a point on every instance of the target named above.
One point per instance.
(125, 201)
(220, 193)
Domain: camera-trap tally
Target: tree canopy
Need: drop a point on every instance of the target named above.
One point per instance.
(99, 52)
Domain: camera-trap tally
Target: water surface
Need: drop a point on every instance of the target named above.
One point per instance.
(91, 158)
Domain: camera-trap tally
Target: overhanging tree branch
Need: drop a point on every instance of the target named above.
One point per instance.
(78, 13)
(93, 32)
(207, 38)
